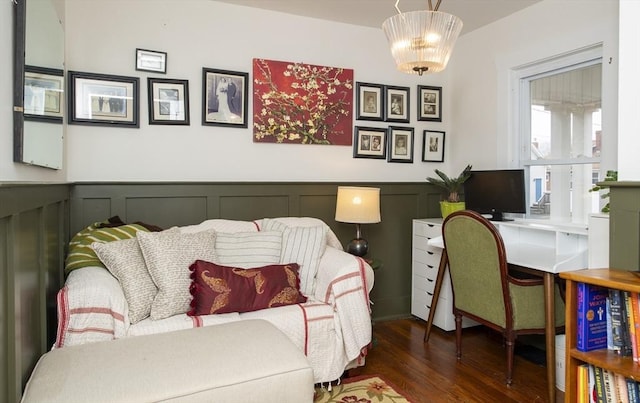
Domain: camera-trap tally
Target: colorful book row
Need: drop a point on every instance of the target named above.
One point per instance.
(598, 385)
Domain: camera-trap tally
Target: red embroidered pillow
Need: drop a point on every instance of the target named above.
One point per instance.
(224, 289)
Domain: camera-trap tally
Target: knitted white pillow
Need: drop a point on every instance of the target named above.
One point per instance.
(248, 249)
(168, 257)
(125, 261)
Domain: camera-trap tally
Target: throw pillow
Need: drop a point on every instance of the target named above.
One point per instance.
(168, 256)
(248, 249)
(81, 253)
(125, 261)
(302, 245)
(224, 289)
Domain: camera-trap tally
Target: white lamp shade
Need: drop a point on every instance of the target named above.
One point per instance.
(358, 205)
(422, 41)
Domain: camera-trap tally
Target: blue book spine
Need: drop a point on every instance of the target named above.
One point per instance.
(632, 390)
(592, 317)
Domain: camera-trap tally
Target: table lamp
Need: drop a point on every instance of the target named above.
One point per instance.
(358, 205)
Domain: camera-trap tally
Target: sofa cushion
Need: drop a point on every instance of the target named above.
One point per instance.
(248, 249)
(168, 256)
(302, 245)
(125, 261)
(225, 289)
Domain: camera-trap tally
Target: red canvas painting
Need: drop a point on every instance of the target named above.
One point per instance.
(300, 103)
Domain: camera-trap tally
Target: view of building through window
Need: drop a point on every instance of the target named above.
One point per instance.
(563, 140)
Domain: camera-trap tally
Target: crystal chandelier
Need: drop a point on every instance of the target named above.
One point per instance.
(422, 41)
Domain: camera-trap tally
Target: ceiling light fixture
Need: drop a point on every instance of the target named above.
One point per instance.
(422, 41)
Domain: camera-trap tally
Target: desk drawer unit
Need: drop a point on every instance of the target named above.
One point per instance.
(425, 262)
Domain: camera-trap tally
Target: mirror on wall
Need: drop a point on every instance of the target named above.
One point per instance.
(39, 93)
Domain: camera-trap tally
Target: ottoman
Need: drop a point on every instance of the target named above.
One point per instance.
(244, 361)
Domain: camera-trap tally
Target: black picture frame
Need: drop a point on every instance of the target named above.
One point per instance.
(151, 60)
(400, 142)
(370, 142)
(369, 101)
(103, 99)
(43, 94)
(168, 101)
(219, 83)
(397, 103)
(429, 103)
(433, 146)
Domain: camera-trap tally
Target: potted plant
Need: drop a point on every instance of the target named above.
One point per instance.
(452, 187)
(611, 176)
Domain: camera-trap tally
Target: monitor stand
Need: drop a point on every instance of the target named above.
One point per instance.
(498, 216)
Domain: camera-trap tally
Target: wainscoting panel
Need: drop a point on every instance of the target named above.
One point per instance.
(33, 234)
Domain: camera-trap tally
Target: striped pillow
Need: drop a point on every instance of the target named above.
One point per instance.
(81, 254)
(248, 249)
(302, 245)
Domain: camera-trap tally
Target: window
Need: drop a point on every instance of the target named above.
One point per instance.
(560, 134)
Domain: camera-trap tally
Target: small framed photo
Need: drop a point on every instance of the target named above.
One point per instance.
(224, 97)
(400, 144)
(396, 104)
(151, 60)
(369, 101)
(370, 142)
(433, 146)
(43, 94)
(101, 99)
(430, 103)
(168, 101)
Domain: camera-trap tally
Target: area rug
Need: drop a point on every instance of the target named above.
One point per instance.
(360, 389)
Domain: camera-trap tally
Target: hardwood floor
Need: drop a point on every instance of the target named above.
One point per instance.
(429, 372)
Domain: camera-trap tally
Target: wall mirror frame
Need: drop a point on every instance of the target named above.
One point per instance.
(38, 129)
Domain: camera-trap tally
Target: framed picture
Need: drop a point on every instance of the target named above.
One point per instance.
(168, 101)
(400, 144)
(396, 104)
(369, 101)
(430, 103)
(224, 97)
(370, 142)
(43, 94)
(100, 99)
(432, 146)
(151, 60)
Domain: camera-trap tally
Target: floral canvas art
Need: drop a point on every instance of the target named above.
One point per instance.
(302, 103)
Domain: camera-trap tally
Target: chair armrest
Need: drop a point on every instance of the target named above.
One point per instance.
(91, 307)
(344, 282)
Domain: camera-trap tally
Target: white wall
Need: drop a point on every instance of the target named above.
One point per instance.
(10, 171)
(484, 58)
(102, 38)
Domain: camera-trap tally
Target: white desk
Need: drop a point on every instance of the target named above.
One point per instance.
(547, 248)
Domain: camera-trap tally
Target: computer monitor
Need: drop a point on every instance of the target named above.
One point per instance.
(496, 192)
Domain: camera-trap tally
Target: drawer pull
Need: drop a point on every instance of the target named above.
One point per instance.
(430, 294)
(430, 280)
(430, 225)
(430, 253)
(430, 266)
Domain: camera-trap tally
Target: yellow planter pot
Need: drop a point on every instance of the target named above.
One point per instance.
(447, 208)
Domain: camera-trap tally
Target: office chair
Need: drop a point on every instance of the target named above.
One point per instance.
(483, 289)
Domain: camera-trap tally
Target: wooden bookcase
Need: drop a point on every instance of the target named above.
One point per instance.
(610, 278)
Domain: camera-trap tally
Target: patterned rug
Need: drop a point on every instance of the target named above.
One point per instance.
(360, 389)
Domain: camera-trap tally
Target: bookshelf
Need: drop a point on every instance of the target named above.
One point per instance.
(609, 278)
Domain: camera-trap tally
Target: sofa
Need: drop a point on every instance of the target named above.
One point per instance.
(126, 280)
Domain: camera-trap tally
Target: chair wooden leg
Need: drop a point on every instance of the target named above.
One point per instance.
(458, 336)
(511, 343)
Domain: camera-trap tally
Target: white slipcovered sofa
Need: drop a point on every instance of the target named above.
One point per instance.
(332, 328)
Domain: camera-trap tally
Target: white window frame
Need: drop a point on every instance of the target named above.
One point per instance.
(520, 102)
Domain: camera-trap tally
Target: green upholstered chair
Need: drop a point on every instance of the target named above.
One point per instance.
(483, 289)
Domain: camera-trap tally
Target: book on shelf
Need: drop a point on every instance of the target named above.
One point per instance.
(635, 329)
(632, 390)
(591, 317)
(599, 383)
(583, 383)
(622, 395)
(593, 394)
(610, 386)
(615, 303)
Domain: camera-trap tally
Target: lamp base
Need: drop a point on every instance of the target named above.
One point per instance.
(358, 247)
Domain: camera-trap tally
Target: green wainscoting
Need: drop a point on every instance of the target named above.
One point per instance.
(33, 234)
(624, 225)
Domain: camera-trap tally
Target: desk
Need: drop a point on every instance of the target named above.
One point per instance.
(547, 248)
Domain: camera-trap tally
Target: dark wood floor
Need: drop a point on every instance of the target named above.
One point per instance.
(431, 373)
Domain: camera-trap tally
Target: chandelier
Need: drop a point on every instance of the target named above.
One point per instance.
(422, 41)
